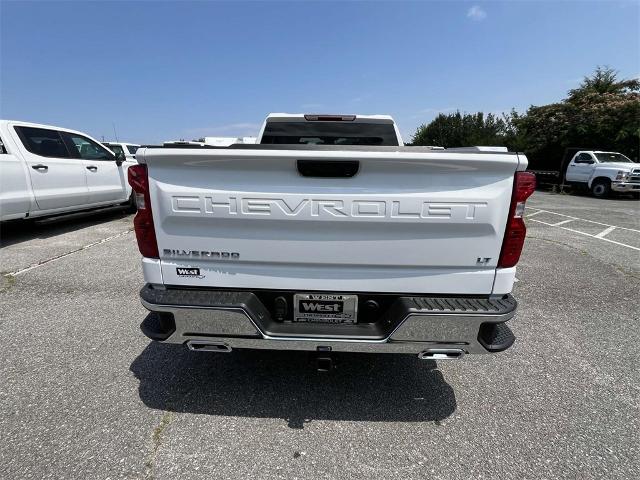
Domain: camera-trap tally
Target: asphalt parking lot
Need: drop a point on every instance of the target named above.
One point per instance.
(85, 395)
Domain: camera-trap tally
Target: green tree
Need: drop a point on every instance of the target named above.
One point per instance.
(602, 113)
(602, 81)
(465, 129)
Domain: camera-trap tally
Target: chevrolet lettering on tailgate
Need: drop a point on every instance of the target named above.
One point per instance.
(327, 208)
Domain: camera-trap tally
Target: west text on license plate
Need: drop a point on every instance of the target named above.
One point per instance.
(325, 308)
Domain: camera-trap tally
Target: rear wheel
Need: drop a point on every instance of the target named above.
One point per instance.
(131, 204)
(601, 188)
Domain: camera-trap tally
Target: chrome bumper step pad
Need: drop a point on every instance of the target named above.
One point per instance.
(410, 324)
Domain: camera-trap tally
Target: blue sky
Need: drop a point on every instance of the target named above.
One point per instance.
(163, 71)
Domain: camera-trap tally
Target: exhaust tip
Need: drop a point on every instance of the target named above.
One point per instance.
(206, 346)
(324, 364)
(441, 354)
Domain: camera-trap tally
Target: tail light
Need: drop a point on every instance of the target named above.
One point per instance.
(143, 221)
(524, 184)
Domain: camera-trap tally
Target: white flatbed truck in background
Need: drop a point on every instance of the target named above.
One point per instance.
(603, 173)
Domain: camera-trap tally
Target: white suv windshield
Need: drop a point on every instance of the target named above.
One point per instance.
(612, 157)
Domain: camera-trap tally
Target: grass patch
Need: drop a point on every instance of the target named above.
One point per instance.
(6, 282)
(156, 440)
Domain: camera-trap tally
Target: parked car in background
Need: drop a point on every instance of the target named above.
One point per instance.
(226, 141)
(603, 172)
(214, 141)
(128, 149)
(47, 170)
(182, 142)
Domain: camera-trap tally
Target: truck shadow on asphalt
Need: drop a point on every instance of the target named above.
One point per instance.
(17, 231)
(275, 384)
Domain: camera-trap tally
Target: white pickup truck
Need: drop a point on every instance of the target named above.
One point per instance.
(603, 172)
(46, 170)
(330, 235)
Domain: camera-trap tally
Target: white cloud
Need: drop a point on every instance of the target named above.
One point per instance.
(476, 13)
(432, 112)
(361, 98)
(437, 110)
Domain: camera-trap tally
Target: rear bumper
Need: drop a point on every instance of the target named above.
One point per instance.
(625, 186)
(410, 324)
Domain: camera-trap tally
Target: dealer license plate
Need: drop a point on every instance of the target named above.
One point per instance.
(325, 308)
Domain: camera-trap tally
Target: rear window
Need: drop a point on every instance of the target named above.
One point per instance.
(329, 133)
(132, 149)
(43, 142)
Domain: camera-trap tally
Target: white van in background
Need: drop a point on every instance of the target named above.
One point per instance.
(127, 149)
(46, 170)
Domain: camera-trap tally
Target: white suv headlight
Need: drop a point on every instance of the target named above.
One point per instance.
(622, 175)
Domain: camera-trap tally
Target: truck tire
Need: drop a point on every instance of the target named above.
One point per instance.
(131, 204)
(601, 188)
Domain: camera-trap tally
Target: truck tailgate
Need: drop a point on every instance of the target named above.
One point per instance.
(406, 222)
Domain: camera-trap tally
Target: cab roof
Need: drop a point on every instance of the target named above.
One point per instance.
(319, 117)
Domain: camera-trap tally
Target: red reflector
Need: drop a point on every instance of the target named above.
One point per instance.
(524, 184)
(138, 178)
(143, 221)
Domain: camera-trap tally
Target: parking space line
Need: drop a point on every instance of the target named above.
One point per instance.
(563, 222)
(540, 210)
(588, 234)
(606, 231)
(544, 223)
(534, 213)
(66, 254)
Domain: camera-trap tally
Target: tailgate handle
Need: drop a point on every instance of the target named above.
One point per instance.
(328, 168)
